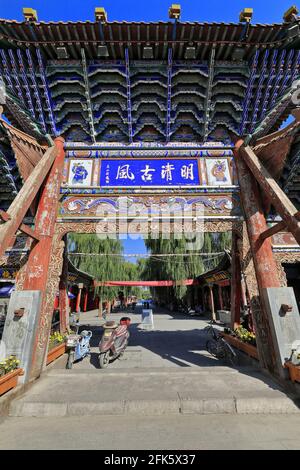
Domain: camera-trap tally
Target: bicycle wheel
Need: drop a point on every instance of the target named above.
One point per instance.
(70, 360)
(212, 347)
(230, 355)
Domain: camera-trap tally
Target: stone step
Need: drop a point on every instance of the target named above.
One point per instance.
(156, 371)
(150, 407)
(153, 392)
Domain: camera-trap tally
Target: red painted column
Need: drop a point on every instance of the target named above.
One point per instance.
(56, 302)
(37, 265)
(78, 299)
(36, 271)
(220, 297)
(63, 297)
(236, 287)
(265, 265)
(85, 301)
(212, 303)
(263, 259)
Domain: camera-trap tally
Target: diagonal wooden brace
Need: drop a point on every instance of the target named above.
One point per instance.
(20, 205)
(276, 228)
(23, 228)
(279, 199)
(4, 216)
(28, 231)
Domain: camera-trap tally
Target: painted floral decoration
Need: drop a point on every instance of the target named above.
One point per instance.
(219, 170)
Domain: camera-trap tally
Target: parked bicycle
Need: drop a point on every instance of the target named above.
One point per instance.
(218, 347)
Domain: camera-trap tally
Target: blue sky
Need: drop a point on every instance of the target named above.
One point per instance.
(133, 247)
(265, 11)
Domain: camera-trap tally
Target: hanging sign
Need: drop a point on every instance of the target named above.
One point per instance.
(149, 172)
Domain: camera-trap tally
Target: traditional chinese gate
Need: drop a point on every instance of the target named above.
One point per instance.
(89, 188)
(105, 191)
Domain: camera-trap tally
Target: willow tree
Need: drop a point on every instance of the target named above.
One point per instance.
(105, 265)
(177, 265)
(103, 259)
(180, 263)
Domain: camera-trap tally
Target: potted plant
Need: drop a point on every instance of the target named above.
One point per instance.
(245, 335)
(57, 346)
(293, 364)
(243, 340)
(9, 372)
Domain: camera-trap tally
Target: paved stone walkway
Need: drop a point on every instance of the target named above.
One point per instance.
(178, 432)
(163, 371)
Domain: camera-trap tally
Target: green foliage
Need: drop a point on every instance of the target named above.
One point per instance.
(9, 364)
(180, 267)
(115, 268)
(104, 268)
(245, 335)
(55, 339)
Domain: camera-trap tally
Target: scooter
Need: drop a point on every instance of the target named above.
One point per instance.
(79, 347)
(114, 341)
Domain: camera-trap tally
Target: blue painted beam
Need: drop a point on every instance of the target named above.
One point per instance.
(88, 96)
(211, 71)
(128, 89)
(46, 91)
(6, 73)
(279, 75)
(258, 95)
(15, 75)
(169, 91)
(295, 69)
(25, 82)
(101, 33)
(267, 93)
(39, 106)
(248, 95)
(288, 70)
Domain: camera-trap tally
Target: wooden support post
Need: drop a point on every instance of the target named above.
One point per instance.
(20, 205)
(220, 297)
(263, 259)
(236, 294)
(78, 299)
(63, 297)
(279, 199)
(212, 303)
(36, 275)
(85, 301)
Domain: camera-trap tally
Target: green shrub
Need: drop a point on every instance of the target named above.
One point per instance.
(9, 364)
(245, 335)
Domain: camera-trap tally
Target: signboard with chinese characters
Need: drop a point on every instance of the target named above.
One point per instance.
(149, 172)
